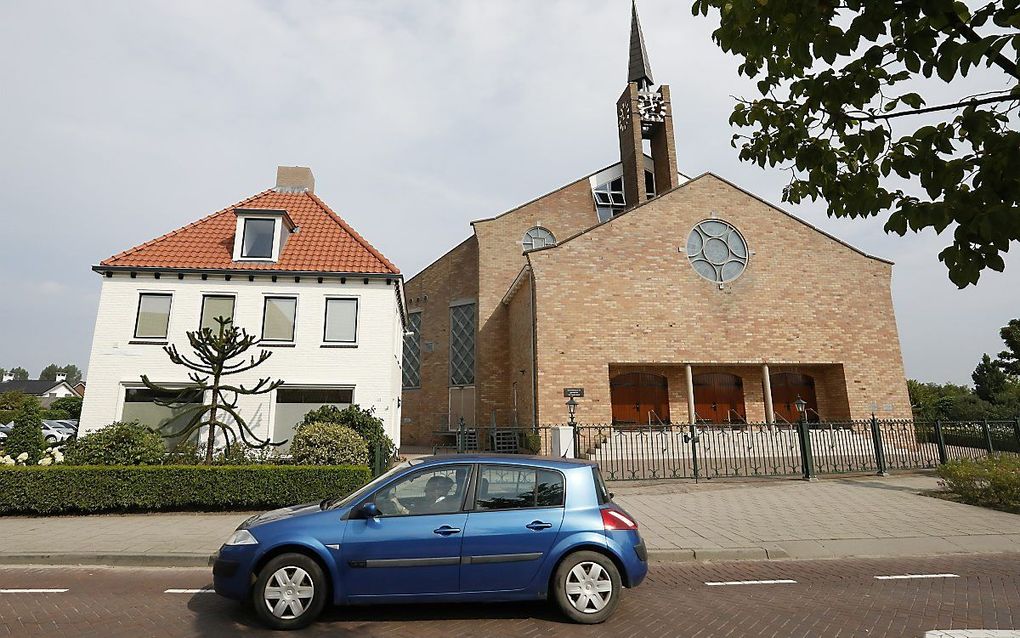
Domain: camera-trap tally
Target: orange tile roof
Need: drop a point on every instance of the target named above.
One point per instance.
(325, 243)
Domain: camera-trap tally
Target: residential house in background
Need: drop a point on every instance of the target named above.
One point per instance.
(45, 390)
(666, 298)
(283, 266)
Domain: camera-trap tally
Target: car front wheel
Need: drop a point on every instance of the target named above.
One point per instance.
(587, 587)
(290, 592)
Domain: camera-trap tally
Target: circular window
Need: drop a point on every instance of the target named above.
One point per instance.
(717, 251)
(538, 237)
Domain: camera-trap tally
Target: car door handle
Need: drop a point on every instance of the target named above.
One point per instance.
(446, 530)
(538, 525)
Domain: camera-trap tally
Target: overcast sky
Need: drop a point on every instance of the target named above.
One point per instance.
(120, 121)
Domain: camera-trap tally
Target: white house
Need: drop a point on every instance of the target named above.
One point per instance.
(286, 268)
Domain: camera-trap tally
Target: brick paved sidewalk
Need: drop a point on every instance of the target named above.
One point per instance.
(834, 517)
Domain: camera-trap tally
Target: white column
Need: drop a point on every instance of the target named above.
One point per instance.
(770, 415)
(690, 393)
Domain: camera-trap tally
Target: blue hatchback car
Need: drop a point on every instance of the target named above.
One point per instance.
(449, 528)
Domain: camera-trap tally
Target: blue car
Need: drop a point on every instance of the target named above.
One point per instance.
(476, 528)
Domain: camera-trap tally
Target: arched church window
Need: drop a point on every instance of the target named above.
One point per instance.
(538, 237)
(717, 251)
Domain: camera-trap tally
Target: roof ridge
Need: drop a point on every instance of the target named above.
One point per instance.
(353, 233)
(176, 231)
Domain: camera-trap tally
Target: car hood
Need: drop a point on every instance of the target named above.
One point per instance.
(278, 515)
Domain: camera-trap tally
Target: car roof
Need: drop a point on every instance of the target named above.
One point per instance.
(544, 461)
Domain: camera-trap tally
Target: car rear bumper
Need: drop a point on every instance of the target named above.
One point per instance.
(630, 549)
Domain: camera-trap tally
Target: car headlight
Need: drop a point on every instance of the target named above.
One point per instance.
(241, 537)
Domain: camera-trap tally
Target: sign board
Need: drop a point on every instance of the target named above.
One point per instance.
(576, 393)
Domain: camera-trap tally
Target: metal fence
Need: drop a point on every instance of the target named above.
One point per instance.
(711, 450)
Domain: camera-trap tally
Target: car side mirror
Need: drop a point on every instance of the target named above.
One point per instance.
(370, 510)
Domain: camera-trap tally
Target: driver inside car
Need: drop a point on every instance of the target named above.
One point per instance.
(436, 499)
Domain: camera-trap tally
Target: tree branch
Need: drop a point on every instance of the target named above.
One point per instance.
(932, 109)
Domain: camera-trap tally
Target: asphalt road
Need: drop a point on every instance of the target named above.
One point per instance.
(825, 598)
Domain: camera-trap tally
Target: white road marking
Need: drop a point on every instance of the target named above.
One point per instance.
(781, 581)
(32, 591)
(906, 576)
(204, 590)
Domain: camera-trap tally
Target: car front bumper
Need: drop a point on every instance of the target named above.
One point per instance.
(232, 571)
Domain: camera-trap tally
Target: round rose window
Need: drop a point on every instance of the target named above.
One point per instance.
(717, 251)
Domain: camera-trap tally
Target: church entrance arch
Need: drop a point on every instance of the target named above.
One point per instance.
(639, 397)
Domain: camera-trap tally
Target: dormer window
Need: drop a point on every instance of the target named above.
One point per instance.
(257, 242)
(261, 234)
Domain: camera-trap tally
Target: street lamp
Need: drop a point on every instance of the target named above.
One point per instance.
(801, 407)
(571, 407)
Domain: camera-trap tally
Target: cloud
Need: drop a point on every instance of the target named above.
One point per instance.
(123, 120)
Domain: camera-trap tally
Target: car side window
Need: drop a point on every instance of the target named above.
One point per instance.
(502, 487)
(435, 491)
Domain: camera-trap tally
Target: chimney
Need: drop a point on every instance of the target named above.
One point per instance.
(294, 179)
(61, 376)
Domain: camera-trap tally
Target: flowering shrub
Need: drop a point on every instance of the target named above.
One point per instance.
(50, 456)
(328, 444)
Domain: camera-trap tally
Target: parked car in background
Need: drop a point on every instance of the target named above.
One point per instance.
(5, 429)
(478, 528)
(59, 431)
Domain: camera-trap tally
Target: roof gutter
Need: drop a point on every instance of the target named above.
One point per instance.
(247, 271)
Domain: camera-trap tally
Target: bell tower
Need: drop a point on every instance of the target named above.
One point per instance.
(644, 114)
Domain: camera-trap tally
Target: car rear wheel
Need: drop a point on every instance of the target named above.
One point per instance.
(51, 439)
(587, 587)
(290, 592)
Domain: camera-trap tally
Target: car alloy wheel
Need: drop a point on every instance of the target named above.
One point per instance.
(587, 586)
(290, 591)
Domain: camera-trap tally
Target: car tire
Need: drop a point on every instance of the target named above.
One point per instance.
(587, 587)
(51, 440)
(286, 579)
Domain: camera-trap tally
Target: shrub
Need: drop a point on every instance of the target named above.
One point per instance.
(63, 489)
(26, 437)
(365, 423)
(69, 405)
(122, 443)
(993, 481)
(49, 414)
(328, 444)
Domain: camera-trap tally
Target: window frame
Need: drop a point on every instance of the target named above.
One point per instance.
(293, 324)
(403, 359)
(534, 233)
(272, 246)
(138, 314)
(469, 490)
(325, 321)
(478, 473)
(223, 295)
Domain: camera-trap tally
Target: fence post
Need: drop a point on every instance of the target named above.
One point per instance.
(460, 436)
(988, 436)
(876, 439)
(941, 442)
(1016, 432)
(694, 450)
(807, 461)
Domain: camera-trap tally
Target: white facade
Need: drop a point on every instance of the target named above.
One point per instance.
(370, 366)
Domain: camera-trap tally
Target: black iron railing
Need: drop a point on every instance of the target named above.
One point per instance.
(716, 450)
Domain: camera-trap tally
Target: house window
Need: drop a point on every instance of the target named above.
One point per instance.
(292, 404)
(412, 351)
(167, 412)
(214, 306)
(341, 321)
(462, 345)
(259, 235)
(538, 237)
(278, 318)
(609, 199)
(153, 316)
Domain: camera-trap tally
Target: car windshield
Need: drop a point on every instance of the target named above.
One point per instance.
(341, 501)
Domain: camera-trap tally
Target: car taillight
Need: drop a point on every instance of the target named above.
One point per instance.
(615, 520)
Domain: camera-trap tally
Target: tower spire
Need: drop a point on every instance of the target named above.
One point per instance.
(640, 70)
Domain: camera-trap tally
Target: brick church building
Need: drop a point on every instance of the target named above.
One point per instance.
(667, 298)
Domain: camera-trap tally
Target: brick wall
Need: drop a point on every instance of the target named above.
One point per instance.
(624, 292)
(452, 277)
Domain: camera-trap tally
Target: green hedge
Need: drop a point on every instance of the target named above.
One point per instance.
(67, 489)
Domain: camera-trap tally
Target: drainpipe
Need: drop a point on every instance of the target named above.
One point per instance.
(690, 393)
